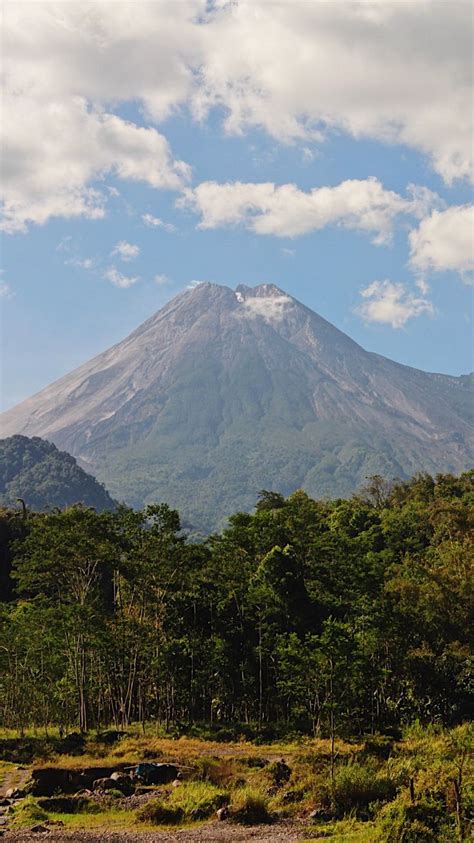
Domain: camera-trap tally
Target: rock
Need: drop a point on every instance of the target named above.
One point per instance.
(123, 783)
(176, 783)
(104, 784)
(222, 814)
(155, 773)
(14, 793)
(39, 829)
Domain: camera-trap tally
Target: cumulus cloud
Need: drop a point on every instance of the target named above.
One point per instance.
(155, 222)
(444, 241)
(126, 251)
(392, 304)
(118, 279)
(161, 280)
(397, 72)
(285, 211)
(52, 151)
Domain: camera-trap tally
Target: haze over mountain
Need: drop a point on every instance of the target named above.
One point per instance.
(222, 393)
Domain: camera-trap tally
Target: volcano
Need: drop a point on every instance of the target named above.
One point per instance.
(226, 392)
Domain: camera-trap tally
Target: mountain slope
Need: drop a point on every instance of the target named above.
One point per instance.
(222, 393)
(44, 477)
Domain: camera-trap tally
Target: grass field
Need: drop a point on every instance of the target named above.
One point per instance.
(382, 790)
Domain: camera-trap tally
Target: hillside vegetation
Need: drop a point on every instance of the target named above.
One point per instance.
(34, 470)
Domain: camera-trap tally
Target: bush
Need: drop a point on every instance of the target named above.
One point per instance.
(279, 773)
(355, 789)
(377, 746)
(251, 808)
(157, 812)
(198, 800)
(218, 771)
(69, 805)
(254, 762)
(424, 821)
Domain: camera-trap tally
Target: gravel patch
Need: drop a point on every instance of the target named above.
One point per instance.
(226, 832)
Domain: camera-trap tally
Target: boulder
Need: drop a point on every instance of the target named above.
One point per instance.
(47, 781)
(123, 783)
(222, 814)
(155, 773)
(106, 783)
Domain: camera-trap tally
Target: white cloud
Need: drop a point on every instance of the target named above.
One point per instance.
(286, 211)
(391, 304)
(6, 291)
(271, 308)
(397, 71)
(117, 278)
(444, 242)
(400, 72)
(81, 263)
(52, 152)
(126, 251)
(156, 222)
(161, 280)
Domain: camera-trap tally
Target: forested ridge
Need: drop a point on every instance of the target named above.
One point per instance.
(327, 617)
(35, 470)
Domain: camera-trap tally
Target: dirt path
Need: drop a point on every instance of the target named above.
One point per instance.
(16, 778)
(211, 833)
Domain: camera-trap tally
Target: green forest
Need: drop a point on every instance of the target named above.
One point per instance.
(336, 633)
(324, 617)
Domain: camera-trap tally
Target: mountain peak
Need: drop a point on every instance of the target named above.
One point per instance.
(224, 392)
(260, 291)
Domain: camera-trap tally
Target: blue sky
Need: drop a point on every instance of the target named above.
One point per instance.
(69, 289)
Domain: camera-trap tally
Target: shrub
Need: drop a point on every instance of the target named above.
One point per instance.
(254, 762)
(157, 812)
(250, 808)
(218, 771)
(199, 800)
(377, 746)
(279, 773)
(356, 787)
(69, 805)
(425, 821)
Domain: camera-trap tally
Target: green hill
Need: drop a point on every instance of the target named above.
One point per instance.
(34, 470)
